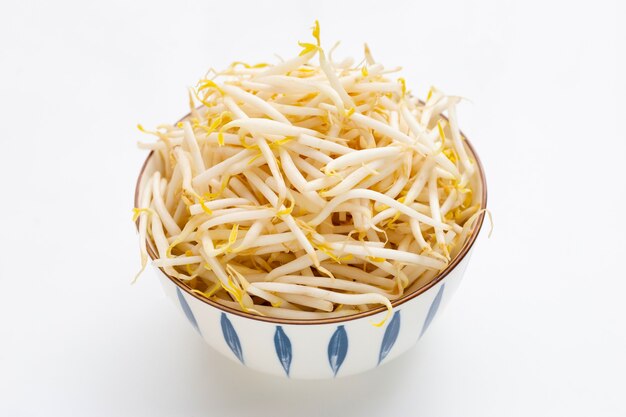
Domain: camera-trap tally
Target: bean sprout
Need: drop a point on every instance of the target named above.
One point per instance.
(308, 190)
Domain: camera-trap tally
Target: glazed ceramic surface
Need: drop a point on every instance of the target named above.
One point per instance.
(315, 351)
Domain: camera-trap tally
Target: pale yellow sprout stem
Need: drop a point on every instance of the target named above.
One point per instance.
(275, 300)
(221, 188)
(382, 128)
(294, 314)
(389, 87)
(219, 204)
(287, 218)
(286, 83)
(253, 233)
(435, 209)
(173, 186)
(185, 167)
(353, 208)
(335, 284)
(375, 180)
(295, 265)
(306, 167)
(242, 190)
(467, 227)
(289, 110)
(420, 181)
(449, 203)
(456, 137)
(335, 297)
(146, 197)
(256, 240)
(324, 144)
(160, 242)
(214, 264)
(313, 154)
(333, 80)
(202, 180)
(417, 234)
(358, 274)
(238, 217)
(286, 66)
(297, 179)
(234, 109)
(271, 250)
(215, 138)
(354, 178)
(417, 130)
(441, 173)
(180, 214)
(159, 206)
(320, 183)
(360, 157)
(178, 261)
(268, 127)
(373, 195)
(306, 301)
(434, 96)
(270, 159)
(255, 102)
(191, 145)
(385, 253)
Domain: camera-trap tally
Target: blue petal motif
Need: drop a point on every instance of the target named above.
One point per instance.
(231, 338)
(283, 348)
(432, 311)
(337, 349)
(187, 309)
(389, 339)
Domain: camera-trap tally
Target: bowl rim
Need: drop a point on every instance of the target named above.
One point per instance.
(332, 320)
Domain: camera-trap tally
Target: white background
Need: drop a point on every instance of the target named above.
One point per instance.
(539, 324)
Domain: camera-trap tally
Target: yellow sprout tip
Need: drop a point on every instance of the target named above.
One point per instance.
(403, 85)
(137, 212)
(307, 48)
(210, 84)
(316, 32)
(168, 252)
(233, 234)
(384, 320)
(375, 259)
(204, 207)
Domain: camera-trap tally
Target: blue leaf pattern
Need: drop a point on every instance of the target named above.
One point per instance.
(187, 309)
(231, 338)
(390, 336)
(432, 311)
(283, 348)
(337, 349)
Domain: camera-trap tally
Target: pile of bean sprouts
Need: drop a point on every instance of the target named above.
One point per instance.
(308, 190)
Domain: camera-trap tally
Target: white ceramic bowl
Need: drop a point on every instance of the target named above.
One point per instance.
(318, 349)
